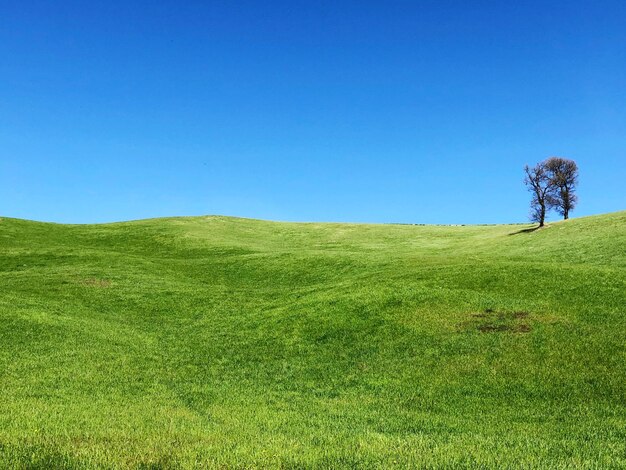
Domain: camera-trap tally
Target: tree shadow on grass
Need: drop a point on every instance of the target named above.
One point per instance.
(525, 230)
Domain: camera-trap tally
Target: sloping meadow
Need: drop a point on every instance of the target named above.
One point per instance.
(237, 343)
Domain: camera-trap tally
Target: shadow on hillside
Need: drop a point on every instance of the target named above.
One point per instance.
(525, 230)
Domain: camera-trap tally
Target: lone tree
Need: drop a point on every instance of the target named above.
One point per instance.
(539, 184)
(563, 174)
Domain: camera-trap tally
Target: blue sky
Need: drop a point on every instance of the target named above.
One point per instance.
(388, 111)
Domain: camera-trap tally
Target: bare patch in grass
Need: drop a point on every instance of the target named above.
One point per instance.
(522, 328)
(490, 321)
(96, 282)
(493, 328)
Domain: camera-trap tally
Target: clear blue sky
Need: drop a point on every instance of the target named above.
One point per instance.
(387, 111)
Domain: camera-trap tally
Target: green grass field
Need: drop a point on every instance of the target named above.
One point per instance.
(235, 343)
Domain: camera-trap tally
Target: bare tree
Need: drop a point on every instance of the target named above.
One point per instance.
(538, 181)
(563, 174)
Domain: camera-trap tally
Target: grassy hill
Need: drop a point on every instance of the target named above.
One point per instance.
(224, 342)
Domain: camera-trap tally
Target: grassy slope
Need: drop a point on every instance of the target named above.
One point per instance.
(233, 342)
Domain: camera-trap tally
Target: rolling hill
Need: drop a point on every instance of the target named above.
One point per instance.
(236, 343)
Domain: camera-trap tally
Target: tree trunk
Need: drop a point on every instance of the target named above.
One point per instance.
(542, 218)
(565, 214)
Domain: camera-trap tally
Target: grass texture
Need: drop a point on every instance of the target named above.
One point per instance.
(219, 342)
